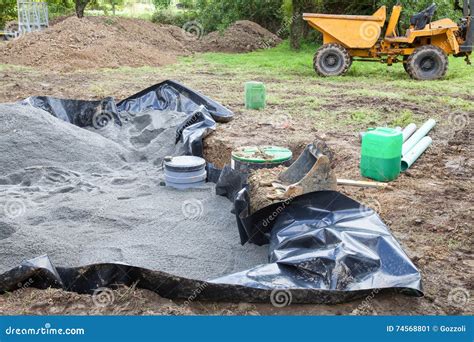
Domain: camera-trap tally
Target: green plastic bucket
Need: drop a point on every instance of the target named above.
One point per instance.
(255, 95)
(381, 154)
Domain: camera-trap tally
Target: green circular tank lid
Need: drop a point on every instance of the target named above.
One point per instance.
(262, 154)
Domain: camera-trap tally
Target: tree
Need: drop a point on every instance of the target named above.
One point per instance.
(7, 12)
(219, 14)
(114, 4)
(80, 7)
(162, 4)
(297, 24)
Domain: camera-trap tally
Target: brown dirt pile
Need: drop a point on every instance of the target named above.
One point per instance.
(242, 36)
(95, 42)
(110, 42)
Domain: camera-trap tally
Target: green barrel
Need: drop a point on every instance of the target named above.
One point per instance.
(381, 154)
(255, 95)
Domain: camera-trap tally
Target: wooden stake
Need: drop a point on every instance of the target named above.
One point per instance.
(362, 184)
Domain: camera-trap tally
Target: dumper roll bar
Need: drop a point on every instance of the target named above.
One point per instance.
(468, 10)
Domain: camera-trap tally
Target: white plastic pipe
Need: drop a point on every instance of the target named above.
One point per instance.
(418, 135)
(411, 157)
(408, 131)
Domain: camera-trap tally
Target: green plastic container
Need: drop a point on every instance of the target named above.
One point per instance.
(381, 154)
(255, 95)
(250, 158)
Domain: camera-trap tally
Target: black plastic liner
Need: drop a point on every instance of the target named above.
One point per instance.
(323, 246)
(81, 113)
(40, 273)
(323, 240)
(168, 95)
(174, 96)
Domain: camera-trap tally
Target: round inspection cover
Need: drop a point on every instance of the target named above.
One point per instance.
(185, 164)
(262, 154)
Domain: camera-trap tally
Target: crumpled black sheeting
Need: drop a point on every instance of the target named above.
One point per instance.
(40, 273)
(174, 96)
(168, 95)
(323, 240)
(230, 183)
(80, 113)
(325, 248)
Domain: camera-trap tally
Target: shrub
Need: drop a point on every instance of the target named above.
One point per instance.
(170, 17)
(445, 9)
(219, 14)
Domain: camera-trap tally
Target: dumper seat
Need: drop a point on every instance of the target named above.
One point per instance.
(420, 20)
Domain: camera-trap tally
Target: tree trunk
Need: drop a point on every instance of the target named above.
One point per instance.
(80, 7)
(296, 25)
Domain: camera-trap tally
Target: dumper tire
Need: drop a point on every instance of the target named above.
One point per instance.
(332, 60)
(405, 63)
(427, 63)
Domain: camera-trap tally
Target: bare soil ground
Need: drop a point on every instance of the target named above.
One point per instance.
(429, 208)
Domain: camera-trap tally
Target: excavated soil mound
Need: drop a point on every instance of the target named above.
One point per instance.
(242, 36)
(109, 42)
(97, 42)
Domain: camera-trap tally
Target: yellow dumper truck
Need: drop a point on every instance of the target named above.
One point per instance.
(423, 50)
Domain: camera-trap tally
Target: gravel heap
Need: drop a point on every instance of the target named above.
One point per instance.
(86, 196)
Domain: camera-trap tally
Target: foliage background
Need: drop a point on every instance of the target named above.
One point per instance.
(275, 15)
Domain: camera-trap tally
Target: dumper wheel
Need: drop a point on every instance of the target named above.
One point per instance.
(427, 63)
(332, 60)
(405, 63)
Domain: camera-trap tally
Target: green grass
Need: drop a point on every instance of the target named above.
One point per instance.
(19, 68)
(377, 94)
(125, 12)
(283, 63)
(365, 117)
(279, 60)
(370, 95)
(403, 119)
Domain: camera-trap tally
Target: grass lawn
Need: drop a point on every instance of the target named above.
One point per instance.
(371, 93)
(284, 62)
(375, 81)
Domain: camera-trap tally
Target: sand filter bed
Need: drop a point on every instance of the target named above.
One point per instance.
(86, 196)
